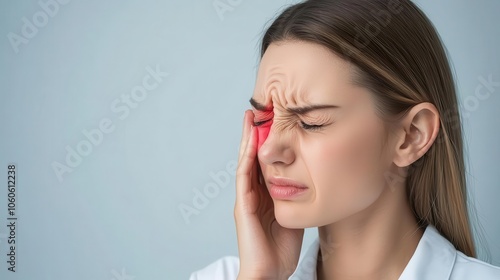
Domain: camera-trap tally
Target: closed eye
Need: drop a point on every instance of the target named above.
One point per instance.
(310, 126)
(261, 122)
(304, 125)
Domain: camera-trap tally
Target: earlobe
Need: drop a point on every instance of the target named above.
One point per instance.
(419, 128)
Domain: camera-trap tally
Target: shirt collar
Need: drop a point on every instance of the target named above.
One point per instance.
(433, 258)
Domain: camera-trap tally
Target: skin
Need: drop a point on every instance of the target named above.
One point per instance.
(365, 225)
(263, 132)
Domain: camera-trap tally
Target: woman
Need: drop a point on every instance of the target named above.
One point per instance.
(354, 130)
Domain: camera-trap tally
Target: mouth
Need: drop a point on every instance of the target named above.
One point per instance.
(285, 189)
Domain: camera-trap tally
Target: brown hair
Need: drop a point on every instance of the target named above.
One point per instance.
(398, 55)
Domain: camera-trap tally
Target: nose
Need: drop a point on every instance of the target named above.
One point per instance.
(273, 147)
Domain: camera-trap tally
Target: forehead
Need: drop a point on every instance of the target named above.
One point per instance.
(296, 72)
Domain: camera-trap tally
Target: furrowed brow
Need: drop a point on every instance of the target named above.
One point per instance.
(295, 110)
(259, 106)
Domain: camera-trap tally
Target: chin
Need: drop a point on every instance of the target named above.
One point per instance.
(289, 216)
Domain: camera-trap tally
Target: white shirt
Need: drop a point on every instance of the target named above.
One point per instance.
(435, 258)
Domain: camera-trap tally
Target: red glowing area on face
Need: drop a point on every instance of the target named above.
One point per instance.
(263, 129)
(263, 132)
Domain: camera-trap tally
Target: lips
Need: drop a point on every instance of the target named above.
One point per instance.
(285, 182)
(286, 189)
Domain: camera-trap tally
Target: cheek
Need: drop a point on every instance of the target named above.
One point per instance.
(344, 169)
(354, 152)
(346, 156)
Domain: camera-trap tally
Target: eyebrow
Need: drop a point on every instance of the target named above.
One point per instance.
(296, 110)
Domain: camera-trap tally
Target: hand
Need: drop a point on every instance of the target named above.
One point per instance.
(266, 249)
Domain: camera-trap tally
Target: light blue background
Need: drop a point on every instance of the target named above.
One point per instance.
(116, 214)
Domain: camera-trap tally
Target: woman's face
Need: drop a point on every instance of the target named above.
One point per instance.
(341, 162)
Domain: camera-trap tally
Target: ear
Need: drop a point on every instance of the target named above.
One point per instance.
(416, 133)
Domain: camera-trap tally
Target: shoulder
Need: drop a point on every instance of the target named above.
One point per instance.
(471, 268)
(225, 268)
(436, 258)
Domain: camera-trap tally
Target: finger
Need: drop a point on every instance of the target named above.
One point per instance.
(245, 166)
(260, 176)
(255, 171)
(247, 122)
(258, 183)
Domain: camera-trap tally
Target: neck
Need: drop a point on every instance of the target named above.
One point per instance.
(376, 243)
